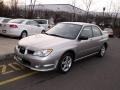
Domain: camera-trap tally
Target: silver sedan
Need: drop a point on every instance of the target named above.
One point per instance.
(62, 45)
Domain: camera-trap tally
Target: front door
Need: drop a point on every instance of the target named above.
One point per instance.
(85, 46)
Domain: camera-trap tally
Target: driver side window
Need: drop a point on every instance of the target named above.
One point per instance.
(87, 32)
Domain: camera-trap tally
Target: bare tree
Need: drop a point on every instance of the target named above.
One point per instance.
(31, 8)
(87, 4)
(116, 11)
(74, 10)
(1, 7)
(14, 7)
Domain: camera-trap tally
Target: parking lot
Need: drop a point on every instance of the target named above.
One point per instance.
(7, 44)
(92, 73)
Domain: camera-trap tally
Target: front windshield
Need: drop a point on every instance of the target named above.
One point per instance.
(65, 30)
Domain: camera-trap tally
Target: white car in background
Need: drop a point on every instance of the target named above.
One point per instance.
(3, 20)
(44, 23)
(21, 28)
(109, 31)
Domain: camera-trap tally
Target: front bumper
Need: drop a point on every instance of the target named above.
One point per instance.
(36, 63)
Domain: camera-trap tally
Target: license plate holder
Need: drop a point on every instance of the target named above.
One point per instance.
(4, 31)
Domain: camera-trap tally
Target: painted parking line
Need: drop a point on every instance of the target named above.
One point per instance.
(11, 67)
(17, 78)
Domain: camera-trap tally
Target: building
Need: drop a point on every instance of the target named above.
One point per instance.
(56, 7)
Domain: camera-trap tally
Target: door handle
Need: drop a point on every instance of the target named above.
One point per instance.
(90, 39)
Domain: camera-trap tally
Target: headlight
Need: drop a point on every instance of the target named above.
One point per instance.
(43, 52)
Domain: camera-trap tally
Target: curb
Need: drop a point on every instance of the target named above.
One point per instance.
(6, 56)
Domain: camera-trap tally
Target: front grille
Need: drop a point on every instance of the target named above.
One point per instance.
(26, 62)
(22, 49)
(30, 52)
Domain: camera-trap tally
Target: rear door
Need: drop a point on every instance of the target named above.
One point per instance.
(32, 27)
(43, 23)
(97, 38)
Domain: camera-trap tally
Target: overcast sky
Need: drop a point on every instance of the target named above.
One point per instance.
(97, 5)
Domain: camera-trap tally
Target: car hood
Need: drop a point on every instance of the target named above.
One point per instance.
(42, 41)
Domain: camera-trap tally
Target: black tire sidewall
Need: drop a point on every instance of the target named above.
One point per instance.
(99, 54)
(59, 68)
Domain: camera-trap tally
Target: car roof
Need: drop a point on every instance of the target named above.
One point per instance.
(25, 20)
(40, 19)
(79, 23)
(4, 18)
(22, 19)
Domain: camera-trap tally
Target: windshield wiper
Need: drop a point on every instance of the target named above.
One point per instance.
(55, 35)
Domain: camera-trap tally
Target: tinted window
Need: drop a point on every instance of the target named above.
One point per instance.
(18, 21)
(6, 20)
(32, 23)
(65, 30)
(96, 31)
(87, 32)
(41, 21)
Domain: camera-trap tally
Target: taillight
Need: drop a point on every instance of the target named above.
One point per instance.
(13, 26)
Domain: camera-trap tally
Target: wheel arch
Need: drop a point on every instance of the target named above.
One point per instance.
(24, 31)
(70, 51)
(106, 45)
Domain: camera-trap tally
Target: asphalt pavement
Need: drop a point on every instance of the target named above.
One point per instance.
(92, 73)
(7, 44)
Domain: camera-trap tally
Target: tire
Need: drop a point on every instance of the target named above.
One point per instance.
(43, 31)
(65, 63)
(23, 34)
(102, 51)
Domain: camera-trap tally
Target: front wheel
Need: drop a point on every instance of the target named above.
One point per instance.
(102, 51)
(65, 63)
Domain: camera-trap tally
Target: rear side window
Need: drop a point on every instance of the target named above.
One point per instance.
(6, 20)
(96, 31)
(41, 21)
(87, 32)
(32, 23)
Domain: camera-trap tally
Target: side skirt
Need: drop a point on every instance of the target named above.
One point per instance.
(86, 56)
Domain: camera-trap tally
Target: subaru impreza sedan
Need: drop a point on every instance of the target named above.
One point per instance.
(62, 45)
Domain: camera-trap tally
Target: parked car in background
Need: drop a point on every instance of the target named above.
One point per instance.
(105, 33)
(62, 45)
(109, 31)
(44, 23)
(21, 28)
(3, 20)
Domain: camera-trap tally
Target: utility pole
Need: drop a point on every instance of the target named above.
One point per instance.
(74, 10)
(104, 16)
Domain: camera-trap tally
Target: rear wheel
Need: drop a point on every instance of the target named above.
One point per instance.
(43, 31)
(102, 51)
(23, 34)
(65, 63)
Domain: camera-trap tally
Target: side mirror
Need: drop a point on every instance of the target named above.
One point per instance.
(83, 38)
(38, 25)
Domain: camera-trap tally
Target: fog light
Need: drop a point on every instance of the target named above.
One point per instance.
(37, 66)
(49, 65)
